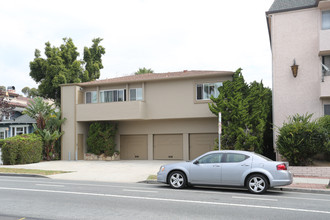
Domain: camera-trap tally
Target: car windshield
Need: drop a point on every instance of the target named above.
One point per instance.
(263, 157)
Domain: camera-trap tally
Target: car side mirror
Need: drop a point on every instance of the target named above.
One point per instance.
(196, 162)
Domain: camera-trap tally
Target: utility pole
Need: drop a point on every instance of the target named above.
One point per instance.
(219, 130)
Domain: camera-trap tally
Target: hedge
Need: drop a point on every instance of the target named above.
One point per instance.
(101, 138)
(22, 149)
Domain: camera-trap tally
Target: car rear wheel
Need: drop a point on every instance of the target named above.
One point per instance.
(177, 180)
(257, 184)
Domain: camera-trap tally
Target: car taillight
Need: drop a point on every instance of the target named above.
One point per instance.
(281, 166)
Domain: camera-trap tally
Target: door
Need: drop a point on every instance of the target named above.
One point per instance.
(200, 144)
(168, 147)
(80, 146)
(207, 170)
(233, 167)
(133, 147)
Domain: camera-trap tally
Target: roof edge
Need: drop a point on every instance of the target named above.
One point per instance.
(104, 82)
(292, 9)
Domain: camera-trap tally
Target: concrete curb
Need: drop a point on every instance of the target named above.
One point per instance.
(23, 175)
(321, 191)
(149, 182)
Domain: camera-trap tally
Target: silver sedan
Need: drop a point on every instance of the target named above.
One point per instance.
(227, 168)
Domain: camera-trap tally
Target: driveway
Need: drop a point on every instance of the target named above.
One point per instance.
(129, 171)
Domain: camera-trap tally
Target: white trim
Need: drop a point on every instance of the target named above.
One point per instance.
(25, 129)
(91, 97)
(136, 94)
(109, 90)
(214, 84)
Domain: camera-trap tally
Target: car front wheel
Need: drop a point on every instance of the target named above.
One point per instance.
(177, 180)
(257, 184)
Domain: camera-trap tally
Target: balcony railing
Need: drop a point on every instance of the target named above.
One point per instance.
(111, 111)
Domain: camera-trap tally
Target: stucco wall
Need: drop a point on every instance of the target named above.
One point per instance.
(68, 101)
(295, 35)
(167, 99)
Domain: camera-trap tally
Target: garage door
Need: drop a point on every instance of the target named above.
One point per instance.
(168, 147)
(200, 144)
(133, 147)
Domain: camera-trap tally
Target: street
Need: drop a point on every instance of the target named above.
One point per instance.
(42, 198)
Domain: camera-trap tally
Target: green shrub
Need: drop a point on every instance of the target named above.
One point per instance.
(324, 122)
(101, 138)
(2, 142)
(22, 149)
(300, 140)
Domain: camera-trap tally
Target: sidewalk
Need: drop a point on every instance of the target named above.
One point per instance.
(310, 178)
(305, 178)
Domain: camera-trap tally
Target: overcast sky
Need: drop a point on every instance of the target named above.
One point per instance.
(164, 35)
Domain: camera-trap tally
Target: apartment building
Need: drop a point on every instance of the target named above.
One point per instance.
(299, 33)
(160, 116)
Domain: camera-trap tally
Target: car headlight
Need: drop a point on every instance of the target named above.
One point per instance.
(161, 169)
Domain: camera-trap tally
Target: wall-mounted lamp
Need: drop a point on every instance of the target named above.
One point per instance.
(294, 68)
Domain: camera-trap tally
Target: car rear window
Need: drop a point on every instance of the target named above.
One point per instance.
(263, 157)
(235, 158)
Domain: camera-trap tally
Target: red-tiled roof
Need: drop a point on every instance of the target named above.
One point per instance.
(17, 104)
(158, 76)
(10, 93)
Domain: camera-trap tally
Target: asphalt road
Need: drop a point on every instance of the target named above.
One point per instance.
(39, 198)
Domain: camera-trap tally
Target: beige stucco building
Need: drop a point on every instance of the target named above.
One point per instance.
(159, 116)
(299, 32)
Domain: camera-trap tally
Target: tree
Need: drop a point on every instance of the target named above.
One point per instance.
(245, 111)
(48, 124)
(40, 111)
(2, 88)
(143, 71)
(92, 57)
(30, 92)
(62, 66)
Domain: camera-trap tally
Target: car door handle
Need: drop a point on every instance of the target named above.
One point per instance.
(245, 165)
(216, 165)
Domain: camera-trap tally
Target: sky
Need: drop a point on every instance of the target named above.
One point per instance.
(164, 35)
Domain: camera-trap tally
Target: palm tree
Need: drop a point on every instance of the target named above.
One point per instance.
(143, 71)
(48, 124)
(40, 111)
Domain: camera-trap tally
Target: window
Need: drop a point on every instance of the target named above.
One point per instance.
(327, 109)
(326, 61)
(2, 135)
(325, 20)
(211, 158)
(206, 90)
(135, 94)
(113, 95)
(17, 130)
(91, 97)
(235, 158)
